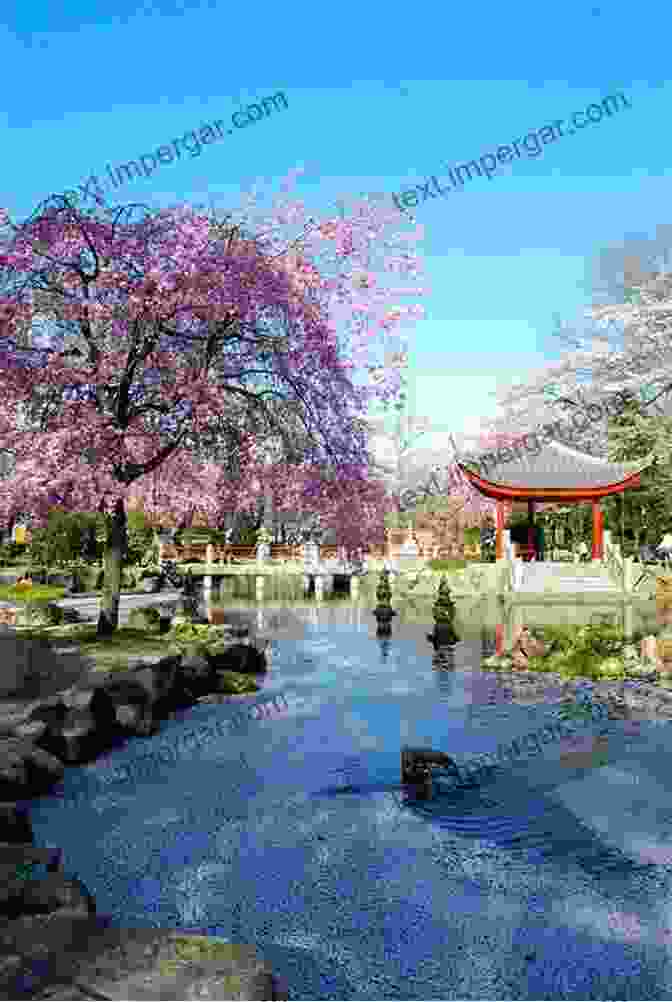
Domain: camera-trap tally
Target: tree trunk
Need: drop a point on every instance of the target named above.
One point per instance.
(115, 547)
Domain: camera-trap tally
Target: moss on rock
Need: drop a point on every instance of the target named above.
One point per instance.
(234, 682)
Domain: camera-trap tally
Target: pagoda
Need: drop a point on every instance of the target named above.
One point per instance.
(556, 474)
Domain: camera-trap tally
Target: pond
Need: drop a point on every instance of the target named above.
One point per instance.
(292, 832)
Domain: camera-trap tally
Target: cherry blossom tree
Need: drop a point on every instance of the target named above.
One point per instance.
(624, 344)
(165, 323)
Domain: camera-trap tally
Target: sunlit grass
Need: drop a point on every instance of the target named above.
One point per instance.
(36, 593)
(455, 564)
(110, 652)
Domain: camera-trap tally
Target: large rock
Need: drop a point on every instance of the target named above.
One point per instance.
(197, 670)
(45, 952)
(16, 857)
(238, 658)
(159, 678)
(416, 761)
(137, 718)
(76, 729)
(17, 853)
(26, 770)
(51, 712)
(239, 622)
(14, 713)
(133, 706)
(32, 669)
(526, 646)
(80, 738)
(50, 894)
(15, 825)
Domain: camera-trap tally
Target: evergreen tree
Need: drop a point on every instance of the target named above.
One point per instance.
(646, 511)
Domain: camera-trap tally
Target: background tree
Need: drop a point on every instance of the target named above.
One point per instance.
(646, 511)
(623, 343)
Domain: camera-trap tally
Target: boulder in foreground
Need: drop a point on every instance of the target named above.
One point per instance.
(52, 953)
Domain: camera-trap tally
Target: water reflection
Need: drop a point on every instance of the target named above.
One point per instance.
(384, 643)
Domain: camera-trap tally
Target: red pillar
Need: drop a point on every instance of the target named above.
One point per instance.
(530, 532)
(499, 546)
(597, 531)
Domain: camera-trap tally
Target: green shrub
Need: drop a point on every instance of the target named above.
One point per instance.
(447, 565)
(188, 634)
(218, 537)
(592, 651)
(247, 536)
(40, 614)
(67, 536)
(88, 577)
(132, 576)
(235, 682)
(140, 546)
(12, 553)
(145, 618)
(557, 637)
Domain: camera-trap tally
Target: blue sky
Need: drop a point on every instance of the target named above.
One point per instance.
(379, 98)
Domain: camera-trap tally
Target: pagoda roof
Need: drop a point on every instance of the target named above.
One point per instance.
(557, 473)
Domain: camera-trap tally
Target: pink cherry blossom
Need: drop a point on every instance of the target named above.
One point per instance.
(153, 302)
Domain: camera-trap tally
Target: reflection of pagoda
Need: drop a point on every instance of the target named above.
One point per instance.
(443, 662)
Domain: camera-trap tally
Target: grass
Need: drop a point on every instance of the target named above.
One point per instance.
(38, 593)
(454, 564)
(112, 653)
(109, 653)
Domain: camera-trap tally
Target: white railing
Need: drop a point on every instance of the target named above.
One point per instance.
(617, 567)
(514, 566)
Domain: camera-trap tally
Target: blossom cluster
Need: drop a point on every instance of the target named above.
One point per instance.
(112, 457)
